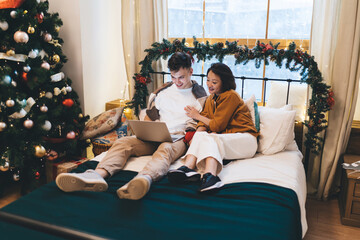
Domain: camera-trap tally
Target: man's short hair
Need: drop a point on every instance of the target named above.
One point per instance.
(179, 60)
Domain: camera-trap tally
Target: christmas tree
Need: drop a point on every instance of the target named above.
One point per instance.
(39, 111)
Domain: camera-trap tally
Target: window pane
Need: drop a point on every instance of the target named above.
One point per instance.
(185, 18)
(249, 70)
(235, 19)
(290, 19)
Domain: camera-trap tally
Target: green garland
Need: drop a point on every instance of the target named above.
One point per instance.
(294, 59)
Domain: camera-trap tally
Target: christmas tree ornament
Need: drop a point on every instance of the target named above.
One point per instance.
(45, 65)
(68, 102)
(40, 151)
(2, 126)
(28, 123)
(63, 90)
(31, 30)
(37, 175)
(25, 11)
(49, 95)
(81, 115)
(68, 88)
(22, 103)
(44, 108)
(57, 77)
(16, 176)
(57, 91)
(24, 76)
(16, 115)
(27, 68)
(10, 103)
(57, 28)
(5, 167)
(70, 135)
(33, 53)
(42, 94)
(4, 25)
(40, 17)
(13, 14)
(46, 126)
(10, 52)
(47, 37)
(6, 79)
(21, 37)
(55, 58)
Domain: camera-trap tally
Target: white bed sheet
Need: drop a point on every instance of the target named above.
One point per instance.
(283, 169)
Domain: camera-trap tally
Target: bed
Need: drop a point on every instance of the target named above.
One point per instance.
(264, 198)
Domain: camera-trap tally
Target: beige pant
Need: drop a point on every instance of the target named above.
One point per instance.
(163, 154)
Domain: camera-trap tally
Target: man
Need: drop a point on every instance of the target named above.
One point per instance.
(165, 104)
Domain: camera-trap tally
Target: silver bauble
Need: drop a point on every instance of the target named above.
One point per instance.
(10, 103)
(28, 123)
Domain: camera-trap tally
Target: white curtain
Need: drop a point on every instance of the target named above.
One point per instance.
(143, 23)
(335, 43)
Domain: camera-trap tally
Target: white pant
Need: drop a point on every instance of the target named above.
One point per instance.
(221, 146)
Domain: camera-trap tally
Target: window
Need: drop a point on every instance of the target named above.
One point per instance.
(282, 21)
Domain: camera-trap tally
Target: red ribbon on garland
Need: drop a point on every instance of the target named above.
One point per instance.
(10, 3)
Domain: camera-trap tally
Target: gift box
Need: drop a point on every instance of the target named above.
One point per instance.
(62, 165)
(115, 104)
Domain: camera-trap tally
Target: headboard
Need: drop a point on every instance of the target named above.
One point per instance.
(321, 100)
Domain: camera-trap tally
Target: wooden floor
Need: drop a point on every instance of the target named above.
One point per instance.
(323, 218)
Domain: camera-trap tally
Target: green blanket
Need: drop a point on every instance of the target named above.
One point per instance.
(238, 211)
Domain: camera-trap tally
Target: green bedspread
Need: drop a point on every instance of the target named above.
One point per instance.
(238, 211)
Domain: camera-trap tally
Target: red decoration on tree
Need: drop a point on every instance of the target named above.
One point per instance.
(141, 79)
(39, 17)
(24, 76)
(330, 100)
(37, 175)
(68, 102)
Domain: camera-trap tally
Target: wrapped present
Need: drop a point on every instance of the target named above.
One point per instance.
(61, 165)
(115, 104)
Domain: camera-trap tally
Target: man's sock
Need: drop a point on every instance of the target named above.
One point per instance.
(136, 188)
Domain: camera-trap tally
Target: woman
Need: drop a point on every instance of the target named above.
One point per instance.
(224, 131)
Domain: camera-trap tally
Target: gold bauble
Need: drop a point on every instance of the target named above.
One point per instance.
(25, 11)
(57, 28)
(56, 58)
(40, 151)
(31, 30)
(10, 52)
(42, 94)
(81, 115)
(5, 167)
(128, 113)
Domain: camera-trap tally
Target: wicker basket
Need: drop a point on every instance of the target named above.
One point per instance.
(98, 148)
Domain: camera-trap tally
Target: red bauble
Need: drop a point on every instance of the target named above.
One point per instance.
(68, 102)
(24, 76)
(40, 17)
(37, 175)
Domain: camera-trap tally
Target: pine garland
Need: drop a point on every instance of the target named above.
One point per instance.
(294, 59)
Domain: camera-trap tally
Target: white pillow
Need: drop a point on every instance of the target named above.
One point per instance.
(276, 129)
(253, 108)
(250, 104)
(297, 97)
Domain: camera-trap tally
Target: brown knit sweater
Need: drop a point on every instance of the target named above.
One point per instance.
(228, 114)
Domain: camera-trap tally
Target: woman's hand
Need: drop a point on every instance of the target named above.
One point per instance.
(192, 112)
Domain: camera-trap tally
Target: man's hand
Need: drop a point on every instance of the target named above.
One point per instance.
(192, 112)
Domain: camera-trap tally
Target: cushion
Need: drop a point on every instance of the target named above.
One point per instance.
(277, 129)
(253, 107)
(113, 135)
(297, 97)
(102, 123)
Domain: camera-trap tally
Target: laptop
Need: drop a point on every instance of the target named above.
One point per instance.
(152, 131)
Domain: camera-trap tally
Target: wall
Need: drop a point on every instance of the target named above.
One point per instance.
(92, 43)
(357, 110)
